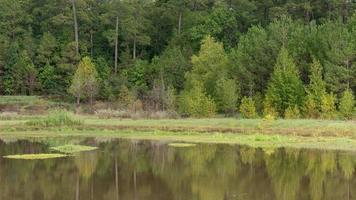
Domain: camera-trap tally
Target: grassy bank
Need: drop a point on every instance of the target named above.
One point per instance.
(298, 127)
(253, 140)
(319, 134)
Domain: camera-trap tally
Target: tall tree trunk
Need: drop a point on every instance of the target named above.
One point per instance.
(78, 100)
(180, 17)
(75, 27)
(91, 44)
(116, 43)
(134, 48)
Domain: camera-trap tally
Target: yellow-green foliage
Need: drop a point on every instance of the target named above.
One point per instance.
(195, 103)
(125, 98)
(35, 156)
(247, 108)
(328, 108)
(347, 104)
(292, 113)
(70, 148)
(269, 110)
(310, 108)
(85, 80)
(56, 118)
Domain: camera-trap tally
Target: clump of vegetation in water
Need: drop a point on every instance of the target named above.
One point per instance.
(56, 118)
(35, 156)
(181, 145)
(69, 149)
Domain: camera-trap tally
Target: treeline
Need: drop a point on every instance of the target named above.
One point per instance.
(198, 58)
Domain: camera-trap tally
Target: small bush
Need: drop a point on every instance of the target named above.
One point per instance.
(195, 103)
(247, 108)
(347, 104)
(56, 118)
(268, 110)
(328, 109)
(310, 108)
(292, 112)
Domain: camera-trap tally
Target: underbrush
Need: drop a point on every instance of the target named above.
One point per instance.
(56, 118)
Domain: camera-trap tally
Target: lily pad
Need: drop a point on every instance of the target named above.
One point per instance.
(35, 156)
(69, 149)
(181, 145)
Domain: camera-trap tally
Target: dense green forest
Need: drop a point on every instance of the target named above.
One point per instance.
(287, 58)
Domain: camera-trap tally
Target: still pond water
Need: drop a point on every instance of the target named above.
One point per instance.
(140, 170)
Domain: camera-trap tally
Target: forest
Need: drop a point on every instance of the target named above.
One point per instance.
(192, 58)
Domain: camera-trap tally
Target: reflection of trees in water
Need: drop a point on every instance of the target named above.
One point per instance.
(152, 170)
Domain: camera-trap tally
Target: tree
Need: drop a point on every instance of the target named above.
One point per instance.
(226, 95)
(208, 66)
(315, 90)
(135, 25)
(194, 102)
(347, 104)
(285, 89)
(85, 81)
(46, 50)
(248, 108)
(328, 108)
(76, 34)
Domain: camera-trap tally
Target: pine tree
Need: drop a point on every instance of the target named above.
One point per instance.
(347, 104)
(248, 108)
(285, 89)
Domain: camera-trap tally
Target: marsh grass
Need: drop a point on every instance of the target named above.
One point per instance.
(56, 118)
(70, 148)
(35, 156)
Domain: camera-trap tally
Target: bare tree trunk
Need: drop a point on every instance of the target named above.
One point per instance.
(163, 90)
(180, 17)
(75, 27)
(116, 43)
(91, 44)
(78, 100)
(134, 48)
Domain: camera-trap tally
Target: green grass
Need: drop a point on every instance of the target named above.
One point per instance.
(35, 156)
(252, 140)
(19, 100)
(70, 148)
(56, 118)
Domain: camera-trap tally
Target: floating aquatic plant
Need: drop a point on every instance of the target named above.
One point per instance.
(35, 156)
(70, 148)
(181, 145)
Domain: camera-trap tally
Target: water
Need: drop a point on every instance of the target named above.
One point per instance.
(140, 170)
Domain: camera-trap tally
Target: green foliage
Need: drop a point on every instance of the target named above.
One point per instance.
(328, 107)
(292, 113)
(347, 104)
(310, 108)
(125, 98)
(195, 103)
(85, 80)
(317, 86)
(285, 89)
(208, 66)
(56, 118)
(248, 108)
(226, 95)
